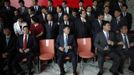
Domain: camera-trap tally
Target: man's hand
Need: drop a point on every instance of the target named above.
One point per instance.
(106, 48)
(131, 45)
(61, 49)
(69, 47)
(110, 42)
(4, 55)
(21, 50)
(120, 43)
(27, 50)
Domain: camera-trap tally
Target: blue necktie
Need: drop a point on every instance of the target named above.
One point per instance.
(65, 44)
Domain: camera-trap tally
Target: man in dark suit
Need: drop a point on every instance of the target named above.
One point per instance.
(8, 12)
(51, 28)
(104, 43)
(36, 7)
(127, 15)
(26, 49)
(58, 17)
(51, 8)
(66, 21)
(66, 46)
(125, 47)
(23, 9)
(43, 16)
(8, 49)
(97, 25)
(66, 9)
(117, 21)
(82, 26)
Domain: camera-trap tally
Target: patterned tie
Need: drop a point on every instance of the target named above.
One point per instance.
(25, 42)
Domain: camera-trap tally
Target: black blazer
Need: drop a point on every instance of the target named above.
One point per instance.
(129, 19)
(60, 42)
(51, 32)
(119, 38)
(32, 44)
(41, 20)
(9, 48)
(101, 42)
(57, 19)
(37, 11)
(53, 10)
(82, 29)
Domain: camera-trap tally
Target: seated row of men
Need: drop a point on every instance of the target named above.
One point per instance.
(24, 49)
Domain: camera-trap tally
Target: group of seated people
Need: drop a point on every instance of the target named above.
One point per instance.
(21, 30)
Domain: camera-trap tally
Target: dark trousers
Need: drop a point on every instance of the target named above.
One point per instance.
(113, 56)
(61, 58)
(123, 53)
(20, 56)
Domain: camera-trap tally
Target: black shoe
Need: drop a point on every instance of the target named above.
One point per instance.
(100, 73)
(131, 69)
(121, 71)
(114, 73)
(75, 73)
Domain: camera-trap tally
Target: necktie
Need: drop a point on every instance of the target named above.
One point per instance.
(65, 44)
(125, 41)
(107, 35)
(25, 42)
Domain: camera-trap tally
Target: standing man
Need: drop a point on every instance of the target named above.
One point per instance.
(66, 46)
(104, 43)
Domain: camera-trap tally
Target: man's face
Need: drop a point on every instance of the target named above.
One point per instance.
(89, 9)
(107, 27)
(49, 17)
(124, 9)
(80, 4)
(124, 30)
(63, 4)
(101, 17)
(83, 14)
(21, 4)
(95, 3)
(6, 31)
(65, 18)
(58, 9)
(49, 3)
(66, 30)
(117, 13)
(25, 30)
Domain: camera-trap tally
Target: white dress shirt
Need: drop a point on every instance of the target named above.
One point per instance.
(124, 40)
(107, 17)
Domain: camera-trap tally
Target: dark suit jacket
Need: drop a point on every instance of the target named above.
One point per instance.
(96, 27)
(53, 10)
(51, 32)
(32, 44)
(41, 20)
(60, 42)
(82, 29)
(119, 38)
(115, 26)
(129, 19)
(61, 26)
(11, 46)
(57, 19)
(101, 42)
(24, 12)
(37, 11)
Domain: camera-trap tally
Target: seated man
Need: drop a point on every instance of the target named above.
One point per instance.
(66, 46)
(104, 43)
(125, 47)
(8, 49)
(26, 46)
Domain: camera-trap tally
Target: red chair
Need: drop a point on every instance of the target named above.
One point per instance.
(84, 49)
(47, 51)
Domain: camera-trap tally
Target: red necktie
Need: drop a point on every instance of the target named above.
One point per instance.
(25, 42)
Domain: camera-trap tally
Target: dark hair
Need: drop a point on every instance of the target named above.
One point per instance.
(64, 2)
(50, 1)
(7, 1)
(25, 27)
(99, 14)
(35, 19)
(66, 26)
(105, 22)
(35, 0)
(21, 1)
(60, 7)
(124, 5)
(118, 10)
(20, 16)
(123, 26)
(81, 1)
(82, 11)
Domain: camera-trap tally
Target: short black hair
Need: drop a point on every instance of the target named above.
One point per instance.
(123, 26)
(100, 14)
(35, 0)
(124, 5)
(21, 1)
(105, 22)
(66, 26)
(118, 10)
(35, 19)
(25, 27)
(20, 16)
(64, 2)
